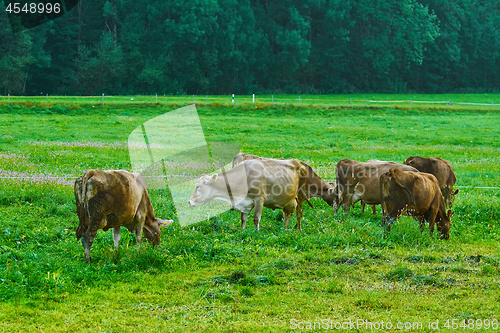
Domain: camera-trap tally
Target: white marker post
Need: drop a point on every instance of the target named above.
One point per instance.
(233, 98)
(272, 98)
(47, 97)
(299, 99)
(157, 97)
(102, 99)
(253, 98)
(193, 99)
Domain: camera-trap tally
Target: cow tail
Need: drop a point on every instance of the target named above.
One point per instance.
(404, 187)
(80, 230)
(84, 200)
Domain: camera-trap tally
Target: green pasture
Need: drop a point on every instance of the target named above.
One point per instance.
(414, 101)
(212, 276)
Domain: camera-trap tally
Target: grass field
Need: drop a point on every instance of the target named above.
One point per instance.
(420, 101)
(211, 276)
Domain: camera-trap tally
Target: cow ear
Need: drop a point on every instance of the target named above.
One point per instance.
(212, 179)
(456, 191)
(164, 223)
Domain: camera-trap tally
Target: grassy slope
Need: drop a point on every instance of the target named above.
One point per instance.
(212, 275)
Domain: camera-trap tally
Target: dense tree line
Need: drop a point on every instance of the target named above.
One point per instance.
(256, 46)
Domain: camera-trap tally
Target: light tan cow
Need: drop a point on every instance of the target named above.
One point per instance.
(254, 184)
(314, 187)
(111, 199)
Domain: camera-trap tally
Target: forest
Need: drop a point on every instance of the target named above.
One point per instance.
(123, 47)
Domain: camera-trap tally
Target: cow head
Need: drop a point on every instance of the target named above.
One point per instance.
(449, 196)
(202, 191)
(411, 161)
(333, 191)
(444, 225)
(152, 230)
(331, 194)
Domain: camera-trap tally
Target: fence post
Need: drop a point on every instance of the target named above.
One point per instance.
(9, 97)
(350, 100)
(193, 99)
(103, 99)
(47, 97)
(272, 98)
(233, 98)
(449, 102)
(299, 99)
(253, 98)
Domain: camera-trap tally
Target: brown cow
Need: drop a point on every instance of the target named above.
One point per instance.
(255, 183)
(442, 170)
(360, 181)
(417, 193)
(111, 199)
(314, 186)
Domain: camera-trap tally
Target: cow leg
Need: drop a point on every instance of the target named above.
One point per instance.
(421, 220)
(390, 221)
(286, 219)
(244, 217)
(347, 207)
(299, 212)
(97, 220)
(116, 236)
(138, 230)
(363, 206)
(288, 211)
(374, 209)
(89, 236)
(432, 219)
(259, 205)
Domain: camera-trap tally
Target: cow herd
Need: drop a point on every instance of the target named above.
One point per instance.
(421, 187)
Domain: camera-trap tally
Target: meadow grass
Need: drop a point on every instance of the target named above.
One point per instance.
(212, 276)
(404, 101)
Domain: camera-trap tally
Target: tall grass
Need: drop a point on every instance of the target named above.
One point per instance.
(212, 272)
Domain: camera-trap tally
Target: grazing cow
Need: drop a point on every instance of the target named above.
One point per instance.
(111, 199)
(442, 170)
(255, 183)
(360, 181)
(314, 186)
(417, 193)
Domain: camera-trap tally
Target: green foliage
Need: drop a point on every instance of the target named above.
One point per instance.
(244, 47)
